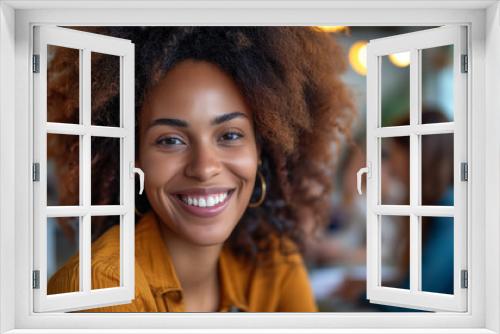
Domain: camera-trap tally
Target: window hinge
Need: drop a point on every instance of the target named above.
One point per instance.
(36, 171)
(36, 63)
(465, 279)
(36, 279)
(465, 64)
(464, 171)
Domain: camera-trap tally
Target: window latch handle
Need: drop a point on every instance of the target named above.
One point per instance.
(365, 170)
(133, 171)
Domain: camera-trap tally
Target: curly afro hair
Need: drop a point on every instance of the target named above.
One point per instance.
(290, 77)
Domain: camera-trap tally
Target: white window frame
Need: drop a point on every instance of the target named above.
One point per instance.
(482, 17)
(85, 43)
(414, 43)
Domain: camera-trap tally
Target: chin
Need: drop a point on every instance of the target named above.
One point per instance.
(208, 235)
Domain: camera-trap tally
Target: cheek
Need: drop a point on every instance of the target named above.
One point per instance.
(158, 168)
(244, 167)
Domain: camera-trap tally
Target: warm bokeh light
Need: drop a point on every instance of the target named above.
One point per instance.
(401, 59)
(357, 57)
(333, 28)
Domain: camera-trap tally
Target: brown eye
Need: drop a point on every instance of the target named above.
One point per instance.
(169, 141)
(231, 136)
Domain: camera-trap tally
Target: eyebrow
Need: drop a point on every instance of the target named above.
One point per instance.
(183, 124)
(227, 117)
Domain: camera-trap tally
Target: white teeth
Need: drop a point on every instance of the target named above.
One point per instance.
(203, 202)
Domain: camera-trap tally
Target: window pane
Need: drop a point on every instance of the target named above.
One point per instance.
(63, 84)
(395, 251)
(62, 250)
(63, 169)
(437, 169)
(395, 89)
(395, 170)
(437, 254)
(105, 232)
(105, 171)
(105, 110)
(437, 83)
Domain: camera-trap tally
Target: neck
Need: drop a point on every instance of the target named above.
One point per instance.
(196, 266)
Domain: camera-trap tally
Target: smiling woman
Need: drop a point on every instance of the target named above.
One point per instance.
(235, 129)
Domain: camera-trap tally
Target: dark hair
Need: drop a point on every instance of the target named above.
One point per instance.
(290, 77)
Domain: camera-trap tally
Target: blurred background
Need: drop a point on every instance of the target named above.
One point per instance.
(336, 257)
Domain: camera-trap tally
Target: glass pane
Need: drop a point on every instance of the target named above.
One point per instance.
(437, 83)
(437, 254)
(395, 89)
(63, 169)
(395, 251)
(437, 169)
(63, 84)
(105, 171)
(62, 250)
(395, 171)
(105, 251)
(105, 94)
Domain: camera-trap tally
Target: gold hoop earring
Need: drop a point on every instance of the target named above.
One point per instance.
(263, 186)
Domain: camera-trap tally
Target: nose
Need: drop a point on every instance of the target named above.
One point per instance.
(203, 164)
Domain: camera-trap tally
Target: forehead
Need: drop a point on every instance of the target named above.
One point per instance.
(196, 89)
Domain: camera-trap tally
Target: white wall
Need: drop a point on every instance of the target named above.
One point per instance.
(7, 171)
(492, 214)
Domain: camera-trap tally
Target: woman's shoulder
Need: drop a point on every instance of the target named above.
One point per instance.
(106, 259)
(275, 252)
(281, 280)
(280, 250)
(105, 265)
(107, 247)
(276, 279)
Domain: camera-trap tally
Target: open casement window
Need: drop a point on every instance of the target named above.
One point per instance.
(413, 209)
(77, 137)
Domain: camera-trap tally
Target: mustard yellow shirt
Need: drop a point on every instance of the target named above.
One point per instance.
(276, 283)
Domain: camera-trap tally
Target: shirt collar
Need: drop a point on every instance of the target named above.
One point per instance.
(153, 256)
(154, 259)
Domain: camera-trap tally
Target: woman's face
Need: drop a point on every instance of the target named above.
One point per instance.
(198, 152)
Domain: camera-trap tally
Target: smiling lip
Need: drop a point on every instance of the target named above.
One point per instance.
(207, 211)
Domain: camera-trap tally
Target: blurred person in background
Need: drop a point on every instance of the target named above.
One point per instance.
(334, 246)
(437, 189)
